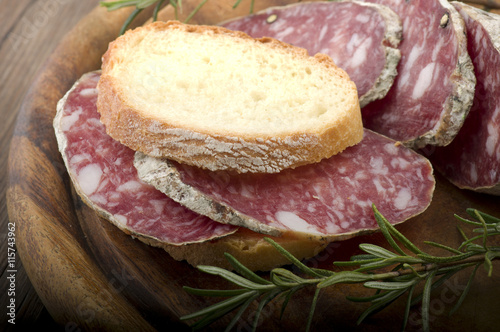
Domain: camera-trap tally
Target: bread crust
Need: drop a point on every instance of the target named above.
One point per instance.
(249, 248)
(223, 150)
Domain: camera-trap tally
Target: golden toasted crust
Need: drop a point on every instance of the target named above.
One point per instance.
(249, 248)
(224, 149)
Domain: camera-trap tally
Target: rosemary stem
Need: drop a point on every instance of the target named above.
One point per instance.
(430, 267)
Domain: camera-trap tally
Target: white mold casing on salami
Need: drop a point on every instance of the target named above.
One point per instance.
(329, 200)
(361, 38)
(472, 160)
(104, 176)
(434, 88)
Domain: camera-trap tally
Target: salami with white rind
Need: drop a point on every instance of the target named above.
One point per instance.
(329, 200)
(104, 176)
(433, 91)
(361, 38)
(472, 160)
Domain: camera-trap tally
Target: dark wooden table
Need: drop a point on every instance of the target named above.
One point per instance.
(29, 32)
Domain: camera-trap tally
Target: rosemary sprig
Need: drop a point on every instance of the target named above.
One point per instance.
(403, 272)
(140, 5)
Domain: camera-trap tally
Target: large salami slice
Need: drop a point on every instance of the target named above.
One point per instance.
(104, 176)
(434, 88)
(361, 38)
(329, 200)
(472, 160)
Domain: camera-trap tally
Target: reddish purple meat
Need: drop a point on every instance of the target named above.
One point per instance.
(472, 160)
(104, 174)
(355, 35)
(329, 199)
(435, 84)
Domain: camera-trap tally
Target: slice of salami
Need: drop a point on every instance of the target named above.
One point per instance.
(329, 200)
(434, 88)
(361, 38)
(472, 160)
(104, 176)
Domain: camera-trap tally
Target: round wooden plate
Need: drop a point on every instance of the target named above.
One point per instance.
(91, 275)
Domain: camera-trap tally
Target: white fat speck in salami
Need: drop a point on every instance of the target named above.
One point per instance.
(434, 88)
(330, 199)
(472, 160)
(104, 176)
(89, 178)
(361, 38)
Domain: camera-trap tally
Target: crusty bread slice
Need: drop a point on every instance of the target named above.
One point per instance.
(219, 99)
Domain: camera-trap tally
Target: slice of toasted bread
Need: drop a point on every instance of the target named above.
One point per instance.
(219, 99)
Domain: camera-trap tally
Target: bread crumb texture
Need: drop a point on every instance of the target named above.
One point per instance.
(219, 99)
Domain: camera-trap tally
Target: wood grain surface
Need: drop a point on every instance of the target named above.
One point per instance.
(76, 271)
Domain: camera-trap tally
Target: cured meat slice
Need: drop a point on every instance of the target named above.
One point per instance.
(104, 176)
(361, 38)
(472, 160)
(434, 88)
(329, 200)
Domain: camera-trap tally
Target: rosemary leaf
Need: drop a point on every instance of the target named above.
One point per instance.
(358, 262)
(363, 257)
(442, 246)
(377, 250)
(283, 282)
(486, 217)
(382, 222)
(467, 221)
(485, 228)
(437, 283)
(214, 292)
(372, 298)
(400, 237)
(288, 296)
(221, 308)
(383, 302)
(293, 277)
(145, 3)
(129, 20)
(190, 16)
(344, 277)
(408, 307)
(391, 285)
(268, 298)
(465, 291)
(487, 262)
(240, 312)
(464, 236)
(236, 4)
(322, 272)
(436, 259)
(293, 259)
(244, 271)
(415, 272)
(388, 262)
(157, 9)
(312, 309)
(234, 278)
(426, 299)
(114, 5)
(489, 230)
(469, 241)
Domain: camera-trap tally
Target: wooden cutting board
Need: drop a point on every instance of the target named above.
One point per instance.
(91, 275)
